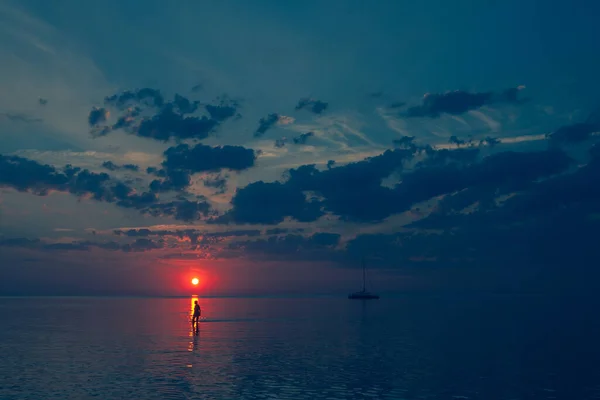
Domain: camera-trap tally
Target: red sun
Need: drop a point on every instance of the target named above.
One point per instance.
(195, 281)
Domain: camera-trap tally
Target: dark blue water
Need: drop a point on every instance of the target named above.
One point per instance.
(417, 347)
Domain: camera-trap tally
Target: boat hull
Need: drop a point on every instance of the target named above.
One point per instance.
(363, 296)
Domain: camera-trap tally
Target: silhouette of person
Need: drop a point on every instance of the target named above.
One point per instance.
(197, 312)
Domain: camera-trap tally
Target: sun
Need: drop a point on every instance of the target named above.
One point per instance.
(195, 281)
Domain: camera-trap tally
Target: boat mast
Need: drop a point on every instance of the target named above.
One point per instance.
(364, 280)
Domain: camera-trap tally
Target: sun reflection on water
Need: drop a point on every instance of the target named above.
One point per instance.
(194, 329)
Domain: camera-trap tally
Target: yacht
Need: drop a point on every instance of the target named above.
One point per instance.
(363, 294)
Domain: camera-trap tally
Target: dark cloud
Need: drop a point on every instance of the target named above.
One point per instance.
(405, 142)
(277, 231)
(218, 182)
(316, 246)
(459, 102)
(183, 160)
(489, 141)
(303, 138)
(444, 156)
(19, 242)
(187, 256)
(97, 116)
(189, 239)
(354, 191)
(109, 165)
(20, 118)
(553, 222)
(455, 140)
(127, 98)
(183, 233)
(202, 158)
(556, 195)
(184, 105)
(235, 233)
(28, 175)
(575, 133)
(125, 121)
(66, 247)
(175, 180)
(345, 189)
(279, 143)
(502, 173)
(146, 113)
(316, 106)
(134, 232)
(266, 123)
(139, 245)
(181, 209)
(42, 101)
(270, 203)
(170, 124)
(280, 231)
(220, 113)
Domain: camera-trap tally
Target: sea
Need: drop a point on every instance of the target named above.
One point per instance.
(417, 346)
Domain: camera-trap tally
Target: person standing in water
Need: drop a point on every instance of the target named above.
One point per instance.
(197, 312)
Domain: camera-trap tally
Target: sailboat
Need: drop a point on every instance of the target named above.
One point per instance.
(363, 294)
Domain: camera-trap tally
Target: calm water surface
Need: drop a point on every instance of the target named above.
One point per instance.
(496, 347)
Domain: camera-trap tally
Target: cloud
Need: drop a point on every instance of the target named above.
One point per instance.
(181, 209)
(139, 245)
(459, 102)
(221, 112)
(339, 186)
(265, 124)
(574, 133)
(202, 158)
(145, 113)
(548, 223)
(218, 182)
(109, 165)
(23, 175)
(355, 192)
(98, 116)
(66, 247)
(313, 247)
(183, 160)
(316, 106)
(538, 188)
(19, 242)
(406, 142)
(280, 143)
(303, 138)
(20, 118)
(270, 203)
(185, 233)
(27, 175)
(145, 96)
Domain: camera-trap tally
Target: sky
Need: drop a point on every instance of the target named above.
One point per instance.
(269, 147)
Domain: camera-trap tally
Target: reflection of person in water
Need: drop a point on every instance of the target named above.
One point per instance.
(197, 312)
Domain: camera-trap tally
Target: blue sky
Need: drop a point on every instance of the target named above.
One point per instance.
(497, 103)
